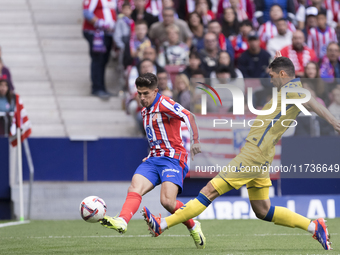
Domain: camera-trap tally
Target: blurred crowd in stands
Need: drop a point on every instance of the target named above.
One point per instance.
(182, 41)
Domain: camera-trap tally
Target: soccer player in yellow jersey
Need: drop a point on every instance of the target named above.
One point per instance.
(258, 151)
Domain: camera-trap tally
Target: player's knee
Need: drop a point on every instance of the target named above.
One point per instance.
(260, 212)
(133, 188)
(168, 203)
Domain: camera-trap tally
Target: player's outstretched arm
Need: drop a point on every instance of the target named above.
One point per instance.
(319, 109)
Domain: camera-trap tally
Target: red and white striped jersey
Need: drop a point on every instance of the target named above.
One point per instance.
(162, 124)
(334, 6)
(154, 7)
(268, 30)
(318, 40)
(20, 119)
(102, 9)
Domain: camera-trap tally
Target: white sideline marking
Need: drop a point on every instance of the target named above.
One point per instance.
(13, 223)
(148, 236)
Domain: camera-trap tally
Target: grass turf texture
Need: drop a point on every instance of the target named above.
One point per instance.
(223, 237)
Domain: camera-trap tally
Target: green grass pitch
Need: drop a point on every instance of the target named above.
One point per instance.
(223, 237)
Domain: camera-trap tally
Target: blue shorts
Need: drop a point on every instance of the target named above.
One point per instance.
(164, 169)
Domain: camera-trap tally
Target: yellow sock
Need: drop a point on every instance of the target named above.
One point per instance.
(285, 217)
(188, 211)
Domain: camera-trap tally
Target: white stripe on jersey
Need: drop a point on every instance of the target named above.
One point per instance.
(164, 134)
(107, 13)
(93, 5)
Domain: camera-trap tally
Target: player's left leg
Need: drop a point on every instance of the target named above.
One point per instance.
(260, 202)
(169, 201)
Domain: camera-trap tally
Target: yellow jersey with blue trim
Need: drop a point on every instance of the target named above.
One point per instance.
(275, 124)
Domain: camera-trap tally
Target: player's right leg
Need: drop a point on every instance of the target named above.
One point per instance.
(144, 180)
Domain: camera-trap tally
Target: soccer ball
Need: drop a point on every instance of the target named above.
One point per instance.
(92, 209)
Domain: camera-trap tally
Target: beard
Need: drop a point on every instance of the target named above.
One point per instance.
(298, 47)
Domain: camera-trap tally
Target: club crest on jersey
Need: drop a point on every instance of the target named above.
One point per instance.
(149, 132)
(154, 117)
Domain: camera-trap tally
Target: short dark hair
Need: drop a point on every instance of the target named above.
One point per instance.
(283, 63)
(322, 12)
(126, 4)
(169, 8)
(141, 22)
(148, 80)
(247, 23)
(198, 72)
(222, 69)
(213, 21)
(194, 53)
(161, 70)
(281, 19)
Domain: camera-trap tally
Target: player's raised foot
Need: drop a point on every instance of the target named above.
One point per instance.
(153, 222)
(321, 233)
(197, 235)
(116, 223)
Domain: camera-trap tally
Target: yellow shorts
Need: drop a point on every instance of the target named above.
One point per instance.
(249, 167)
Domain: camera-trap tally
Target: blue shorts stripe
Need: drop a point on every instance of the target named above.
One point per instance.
(270, 214)
(203, 199)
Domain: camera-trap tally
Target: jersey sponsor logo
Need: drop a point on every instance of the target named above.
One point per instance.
(170, 175)
(149, 132)
(169, 170)
(154, 143)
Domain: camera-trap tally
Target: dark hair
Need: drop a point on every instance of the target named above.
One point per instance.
(213, 21)
(161, 70)
(222, 69)
(246, 22)
(191, 14)
(126, 4)
(194, 53)
(322, 12)
(141, 22)
(9, 95)
(317, 69)
(198, 72)
(283, 63)
(169, 8)
(147, 80)
(234, 28)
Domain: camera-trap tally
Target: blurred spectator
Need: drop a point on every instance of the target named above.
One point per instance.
(224, 43)
(4, 72)
(312, 77)
(195, 23)
(224, 60)
(154, 7)
(124, 30)
(320, 37)
(311, 20)
(328, 13)
(139, 13)
(268, 30)
(185, 7)
(167, 4)
(194, 64)
(240, 42)
(209, 55)
(133, 72)
(119, 5)
(97, 30)
(202, 8)
(263, 7)
(7, 99)
(253, 62)
(139, 41)
(330, 64)
(334, 108)
(334, 7)
(181, 87)
(230, 24)
(301, 14)
(311, 88)
(299, 53)
(243, 8)
(173, 51)
(158, 34)
(282, 39)
(164, 83)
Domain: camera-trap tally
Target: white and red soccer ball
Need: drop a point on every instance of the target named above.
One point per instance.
(92, 209)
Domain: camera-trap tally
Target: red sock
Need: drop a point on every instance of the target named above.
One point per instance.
(189, 223)
(130, 206)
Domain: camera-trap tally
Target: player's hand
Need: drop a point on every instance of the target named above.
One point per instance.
(195, 149)
(336, 126)
(278, 54)
(144, 159)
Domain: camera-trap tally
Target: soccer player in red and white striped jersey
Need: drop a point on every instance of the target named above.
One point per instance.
(166, 162)
(321, 36)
